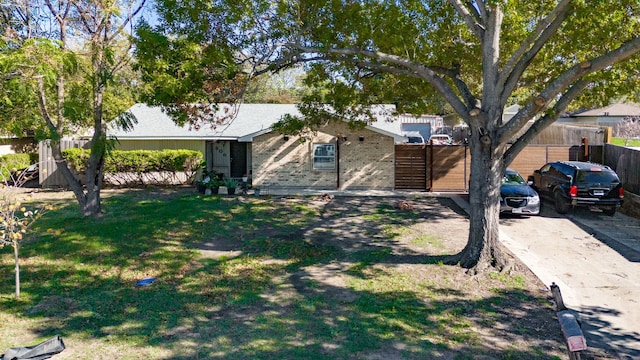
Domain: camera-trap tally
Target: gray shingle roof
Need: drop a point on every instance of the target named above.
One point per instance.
(251, 119)
(613, 110)
(153, 123)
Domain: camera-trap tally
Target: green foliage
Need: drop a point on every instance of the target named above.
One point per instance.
(625, 142)
(11, 163)
(285, 87)
(231, 183)
(180, 71)
(138, 161)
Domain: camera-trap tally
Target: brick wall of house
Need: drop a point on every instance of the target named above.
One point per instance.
(366, 164)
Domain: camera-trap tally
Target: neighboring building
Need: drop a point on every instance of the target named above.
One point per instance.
(607, 116)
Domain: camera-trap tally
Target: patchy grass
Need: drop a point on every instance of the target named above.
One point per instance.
(244, 278)
(621, 141)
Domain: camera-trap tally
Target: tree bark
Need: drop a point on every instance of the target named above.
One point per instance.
(483, 248)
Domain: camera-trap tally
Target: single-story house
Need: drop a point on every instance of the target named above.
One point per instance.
(334, 156)
(607, 116)
(226, 147)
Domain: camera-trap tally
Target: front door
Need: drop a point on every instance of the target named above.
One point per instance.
(238, 159)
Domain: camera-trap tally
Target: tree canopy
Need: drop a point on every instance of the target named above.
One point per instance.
(474, 56)
(63, 70)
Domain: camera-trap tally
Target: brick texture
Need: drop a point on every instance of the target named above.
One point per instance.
(366, 164)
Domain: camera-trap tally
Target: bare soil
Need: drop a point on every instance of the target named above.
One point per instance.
(440, 228)
(523, 319)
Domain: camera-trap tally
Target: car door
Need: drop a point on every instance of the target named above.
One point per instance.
(554, 178)
(541, 179)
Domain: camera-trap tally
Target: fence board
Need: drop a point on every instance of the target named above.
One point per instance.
(411, 167)
(49, 174)
(626, 163)
(448, 167)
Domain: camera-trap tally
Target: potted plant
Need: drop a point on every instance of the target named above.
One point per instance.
(213, 184)
(231, 186)
(201, 186)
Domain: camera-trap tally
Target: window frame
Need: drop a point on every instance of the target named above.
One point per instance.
(329, 148)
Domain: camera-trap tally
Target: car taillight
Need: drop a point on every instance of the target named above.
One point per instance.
(573, 191)
(621, 193)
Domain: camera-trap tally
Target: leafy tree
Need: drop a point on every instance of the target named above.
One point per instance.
(61, 63)
(15, 218)
(285, 87)
(478, 56)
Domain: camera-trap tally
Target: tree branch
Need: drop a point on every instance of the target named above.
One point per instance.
(470, 18)
(421, 71)
(549, 118)
(42, 103)
(570, 76)
(527, 51)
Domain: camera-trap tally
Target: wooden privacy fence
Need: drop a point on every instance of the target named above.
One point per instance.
(626, 163)
(49, 174)
(447, 168)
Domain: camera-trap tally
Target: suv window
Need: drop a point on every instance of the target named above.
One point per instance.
(585, 176)
(545, 168)
(556, 172)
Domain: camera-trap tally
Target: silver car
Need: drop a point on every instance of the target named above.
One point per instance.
(516, 196)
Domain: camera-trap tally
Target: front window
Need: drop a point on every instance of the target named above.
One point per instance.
(324, 156)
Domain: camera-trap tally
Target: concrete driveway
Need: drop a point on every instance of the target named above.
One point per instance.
(595, 260)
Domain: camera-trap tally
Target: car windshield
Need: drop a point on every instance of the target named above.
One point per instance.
(596, 177)
(512, 179)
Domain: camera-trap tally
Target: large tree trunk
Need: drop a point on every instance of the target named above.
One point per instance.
(483, 249)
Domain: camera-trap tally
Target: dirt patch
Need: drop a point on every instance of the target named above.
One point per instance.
(390, 243)
(508, 311)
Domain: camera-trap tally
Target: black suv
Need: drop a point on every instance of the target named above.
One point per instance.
(576, 183)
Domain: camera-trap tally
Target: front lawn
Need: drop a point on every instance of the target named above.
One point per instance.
(267, 278)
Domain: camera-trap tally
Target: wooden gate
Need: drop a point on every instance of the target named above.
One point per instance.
(448, 167)
(411, 167)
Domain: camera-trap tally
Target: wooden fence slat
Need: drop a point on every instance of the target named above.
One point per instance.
(448, 168)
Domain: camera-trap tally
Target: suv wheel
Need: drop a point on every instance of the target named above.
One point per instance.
(561, 204)
(609, 211)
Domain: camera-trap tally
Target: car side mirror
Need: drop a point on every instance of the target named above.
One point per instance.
(530, 182)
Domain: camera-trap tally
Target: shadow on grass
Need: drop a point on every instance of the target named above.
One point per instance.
(261, 296)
